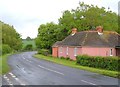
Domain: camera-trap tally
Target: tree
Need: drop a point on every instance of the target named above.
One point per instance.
(10, 37)
(28, 38)
(47, 35)
(84, 17)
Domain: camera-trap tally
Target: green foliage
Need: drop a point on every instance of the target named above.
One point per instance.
(84, 17)
(4, 67)
(11, 37)
(87, 17)
(26, 42)
(29, 47)
(28, 38)
(6, 49)
(44, 52)
(66, 58)
(47, 35)
(108, 63)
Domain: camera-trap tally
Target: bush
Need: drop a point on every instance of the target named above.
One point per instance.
(44, 52)
(67, 58)
(6, 49)
(29, 47)
(108, 63)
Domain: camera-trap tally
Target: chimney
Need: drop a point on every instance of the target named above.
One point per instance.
(99, 30)
(74, 30)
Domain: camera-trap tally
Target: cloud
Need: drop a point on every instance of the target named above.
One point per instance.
(27, 15)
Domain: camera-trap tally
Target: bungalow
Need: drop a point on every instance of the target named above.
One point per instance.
(93, 43)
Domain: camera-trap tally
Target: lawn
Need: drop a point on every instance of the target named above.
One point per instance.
(74, 65)
(4, 67)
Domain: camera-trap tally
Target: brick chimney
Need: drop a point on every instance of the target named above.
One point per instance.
(74, 30)
(99, 29)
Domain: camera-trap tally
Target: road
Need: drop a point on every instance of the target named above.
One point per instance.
(27, 70)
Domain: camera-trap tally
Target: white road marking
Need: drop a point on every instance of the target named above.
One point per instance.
(8, 80)
(22, 84)
(88, 82)
(23, 70)
(10, 84)
(5, 76)
(15, 78)
(51, 70)
(10, 73)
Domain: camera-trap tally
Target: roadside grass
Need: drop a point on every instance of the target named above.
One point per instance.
(74, 65)
(4, 67)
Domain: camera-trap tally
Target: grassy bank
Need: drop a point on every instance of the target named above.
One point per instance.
(74, 65)
(4, 67)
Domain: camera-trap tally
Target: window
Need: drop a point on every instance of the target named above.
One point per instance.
(67, 51)
(60, 49)
(111, 54)
(75, 51)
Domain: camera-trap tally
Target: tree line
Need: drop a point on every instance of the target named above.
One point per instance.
(11, 39)
(84, 17)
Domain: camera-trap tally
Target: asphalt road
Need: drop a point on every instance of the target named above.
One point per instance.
(27, 70)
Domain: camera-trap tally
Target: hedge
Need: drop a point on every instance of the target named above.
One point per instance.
(108, 63)
(44, 52)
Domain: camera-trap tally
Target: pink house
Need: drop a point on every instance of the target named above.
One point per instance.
(93, 43)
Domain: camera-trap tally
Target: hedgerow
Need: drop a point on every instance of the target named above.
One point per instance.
(108, 63)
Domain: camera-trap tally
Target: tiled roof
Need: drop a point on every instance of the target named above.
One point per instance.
(91, 38)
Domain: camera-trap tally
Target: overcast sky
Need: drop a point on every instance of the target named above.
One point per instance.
(27, 15)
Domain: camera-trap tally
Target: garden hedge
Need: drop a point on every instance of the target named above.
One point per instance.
(108, 63)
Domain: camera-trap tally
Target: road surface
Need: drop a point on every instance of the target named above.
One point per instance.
(27, 70)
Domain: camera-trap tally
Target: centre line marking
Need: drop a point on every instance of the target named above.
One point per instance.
(88, 82)
(51, 70)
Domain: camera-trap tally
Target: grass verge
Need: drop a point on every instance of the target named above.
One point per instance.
(74, 65)
(4, 67)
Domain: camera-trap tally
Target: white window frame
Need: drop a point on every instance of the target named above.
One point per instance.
(60, 49)
(75, 51)
(111, 52)
(67, 51)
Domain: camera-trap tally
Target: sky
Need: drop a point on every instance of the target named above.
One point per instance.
(27, 15)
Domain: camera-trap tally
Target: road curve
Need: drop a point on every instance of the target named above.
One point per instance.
(27, 70)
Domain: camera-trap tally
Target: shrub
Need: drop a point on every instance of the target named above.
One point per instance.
(29, 47)
(6, 49)
(43, 52)
(62, 57)
(109, 63)
(67, 58)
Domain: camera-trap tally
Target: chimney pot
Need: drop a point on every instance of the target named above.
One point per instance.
(74, 30)
(99, 30)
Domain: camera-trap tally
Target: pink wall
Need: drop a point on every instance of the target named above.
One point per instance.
(62, 52)
(94, 51)
(91, 51)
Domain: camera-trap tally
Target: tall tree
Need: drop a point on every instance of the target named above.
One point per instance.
(47, 35)
(84, 17)
(11, 37)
